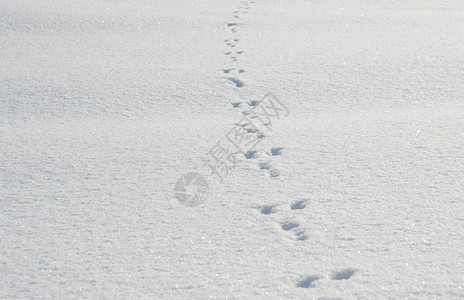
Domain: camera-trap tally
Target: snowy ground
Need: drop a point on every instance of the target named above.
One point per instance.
(105, 104)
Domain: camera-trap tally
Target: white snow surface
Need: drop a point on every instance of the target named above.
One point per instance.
(105, 104)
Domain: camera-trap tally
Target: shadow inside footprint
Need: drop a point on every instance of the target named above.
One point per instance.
(251, 130)
(276, 151)
(264, 166)
(250, 154)
(238, 83)
(253, 103)
(298, 204)
(343, 274)
(275, 173)
(268, 209)
(308, 281)
(289, 225)
(302, 237)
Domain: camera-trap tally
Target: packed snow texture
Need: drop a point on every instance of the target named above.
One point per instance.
(357, 193)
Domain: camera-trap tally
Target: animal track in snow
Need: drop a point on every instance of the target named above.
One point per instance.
(343, 274)
(227, 71)
(238, 83)
(251, 154)
(236, 104)
(276, 151)
(233, 26)
(251, 130)
(308, 281)
(299, 234)
(264, 166)
(253, 103)
(289, 225)
(299, 204)
(275, 173)
(268, 209)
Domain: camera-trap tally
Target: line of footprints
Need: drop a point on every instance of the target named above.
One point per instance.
(266, 165)
(233, 53)
(288, 225)
(308, 281)
(232, 75)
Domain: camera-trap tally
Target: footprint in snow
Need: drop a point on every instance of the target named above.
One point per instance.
(299, 204)
(251, 154)
(276, 151)
(265, 166)
(251, 130)
(343, 274)
(274, 173)
(238, 83)
(268, 209)
(253, 103)
(308, 281)
(289, 225)
(299, 234)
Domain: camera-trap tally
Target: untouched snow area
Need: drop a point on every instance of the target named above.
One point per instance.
(357, 193)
